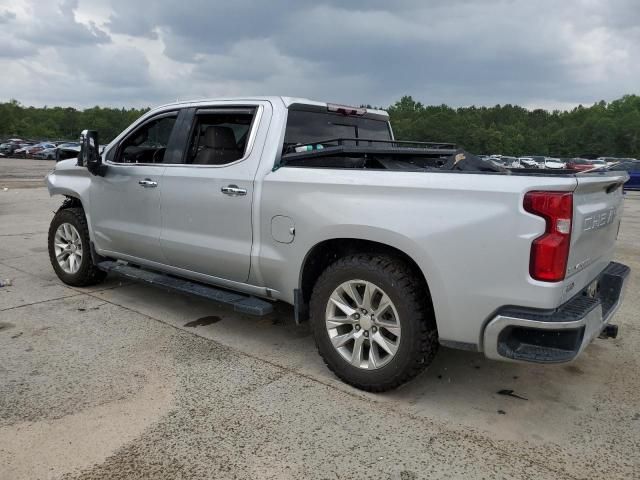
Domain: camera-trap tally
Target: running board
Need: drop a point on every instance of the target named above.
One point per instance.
(241, 303)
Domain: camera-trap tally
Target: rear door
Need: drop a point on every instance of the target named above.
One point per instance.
(125, 202)
(207, 199)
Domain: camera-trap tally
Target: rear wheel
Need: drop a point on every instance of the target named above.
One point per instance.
(69, 249)
(372, 322)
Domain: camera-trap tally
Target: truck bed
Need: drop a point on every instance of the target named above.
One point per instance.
(369, 154)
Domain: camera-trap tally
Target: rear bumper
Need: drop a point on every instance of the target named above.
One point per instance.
(556, 335)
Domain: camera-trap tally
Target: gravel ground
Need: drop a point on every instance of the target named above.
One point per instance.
(110, 382)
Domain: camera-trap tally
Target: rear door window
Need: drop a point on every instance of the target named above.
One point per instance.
(220, 136)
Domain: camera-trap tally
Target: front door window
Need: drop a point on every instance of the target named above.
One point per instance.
(148, 143)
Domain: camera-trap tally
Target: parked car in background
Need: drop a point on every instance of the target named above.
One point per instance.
(504, 161)
(610, 160)
(39, 147)
(599, 163)
(511, 162)
(581, 164)
(531, 162)
(632, 167)
(539, 159)
(22, 150)
(10, 146)
(48, 153)
(551, 162)
(67, 150)
(496, 160)
(30, 149)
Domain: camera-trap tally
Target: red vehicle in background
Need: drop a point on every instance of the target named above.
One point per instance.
(581, 164)
(29, 150)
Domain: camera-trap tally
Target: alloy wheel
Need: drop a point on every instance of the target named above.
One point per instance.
(68, 248)
(363, 324)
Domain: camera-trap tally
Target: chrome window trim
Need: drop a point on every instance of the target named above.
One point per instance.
(255, 124)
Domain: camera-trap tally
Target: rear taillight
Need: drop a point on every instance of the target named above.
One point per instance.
(550, 251)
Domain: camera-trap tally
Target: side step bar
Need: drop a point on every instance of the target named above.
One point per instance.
(241, 303)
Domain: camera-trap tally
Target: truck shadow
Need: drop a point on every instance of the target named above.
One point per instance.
(460, 387)
(539, 403)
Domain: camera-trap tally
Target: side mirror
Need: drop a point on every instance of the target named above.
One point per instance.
(90, 152)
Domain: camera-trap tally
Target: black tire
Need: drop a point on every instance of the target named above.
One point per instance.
(88, 273)
(419, 341)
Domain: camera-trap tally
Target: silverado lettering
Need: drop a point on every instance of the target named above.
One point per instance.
(599, 219)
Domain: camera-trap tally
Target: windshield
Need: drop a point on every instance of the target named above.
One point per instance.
(308, 127)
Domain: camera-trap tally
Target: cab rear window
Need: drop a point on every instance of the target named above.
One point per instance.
(307, 127)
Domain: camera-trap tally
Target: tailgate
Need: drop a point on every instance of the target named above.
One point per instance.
(597, 211)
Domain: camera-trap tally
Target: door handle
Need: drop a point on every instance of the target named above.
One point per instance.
(233, 191)
(148, 183)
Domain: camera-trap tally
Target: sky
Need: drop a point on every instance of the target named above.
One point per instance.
(535, 53)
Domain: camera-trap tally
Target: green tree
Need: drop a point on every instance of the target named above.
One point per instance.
(600, 129)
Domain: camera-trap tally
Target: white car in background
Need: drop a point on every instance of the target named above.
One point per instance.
(534, 161)
(608, 160)
(601, 163)
(505, 161)
(550, 162)
(528, 162)
(511, 162)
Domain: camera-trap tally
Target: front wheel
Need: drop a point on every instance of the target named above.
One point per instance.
(372, 322)
(69, 249)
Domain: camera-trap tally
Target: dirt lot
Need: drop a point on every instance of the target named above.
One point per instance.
(113, 382)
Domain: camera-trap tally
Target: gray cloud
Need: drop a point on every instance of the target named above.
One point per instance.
(6, 16)
(459, 52)
(109, 66)
(56, 25)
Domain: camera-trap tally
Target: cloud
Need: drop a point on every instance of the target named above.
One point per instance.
(6, 16)
(52, 24)
(459, 52)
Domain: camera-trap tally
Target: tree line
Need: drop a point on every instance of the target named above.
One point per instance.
(602, 129)
(611, 128)
(63, 123)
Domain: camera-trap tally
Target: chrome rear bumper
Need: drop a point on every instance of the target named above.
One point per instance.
(557, 335)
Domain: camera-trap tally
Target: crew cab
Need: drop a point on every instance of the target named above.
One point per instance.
(388, 248)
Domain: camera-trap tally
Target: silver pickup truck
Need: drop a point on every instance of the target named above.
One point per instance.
(388, 248)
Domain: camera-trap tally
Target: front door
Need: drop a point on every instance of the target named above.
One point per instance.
(125, 202)
(206, 201)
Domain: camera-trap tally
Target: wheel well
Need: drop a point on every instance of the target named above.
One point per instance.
(325, 253)
(71, 202)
